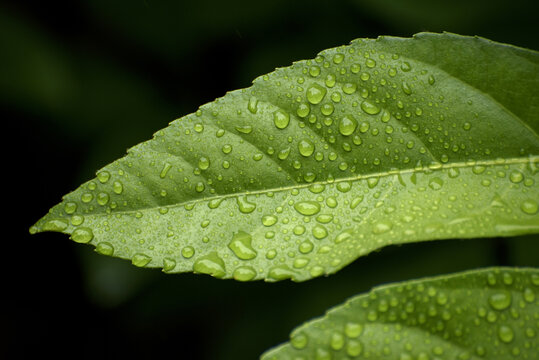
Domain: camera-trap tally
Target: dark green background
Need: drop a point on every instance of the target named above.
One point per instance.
(80, 82)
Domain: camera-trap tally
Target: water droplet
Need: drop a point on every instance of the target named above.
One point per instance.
(55, 225)
(103, 176)
(188, 252)
(86, 197)
(347, 125)
(252, 106)
(500, 300)
(269, 220)
(299, 341)
(82, 235)
(349, 88)
(300, 263)
(319, 232)
(70, 207)
(370, 108)
(529, 295)
(77, 220)
(327, 109)
(354, 348)
(382, 227)
(140, 260)
(316, 93)
(245, 206)
(306, 147)
(330, 80)
(303, 110)
(210, 264)
(506, 334)
(102, 198)
(199, 187)
(164, 171)
(203, 163)
(338, 58)
(516, 176)
(241, 246)
(168, 264)
(529, 207)
(314, 71)
(117, 187)
(431, 80)
(436, 183)
(406, 66)
(281, 119)
(199, 128)
(337, 341)
(406, 88)
(244, 273)
(353, 330)
(280, 272)
(307, 208)
(244, 129)
(105, 248)
(306, 247)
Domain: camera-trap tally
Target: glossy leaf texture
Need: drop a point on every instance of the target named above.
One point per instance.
(380, 142)
(482, 314)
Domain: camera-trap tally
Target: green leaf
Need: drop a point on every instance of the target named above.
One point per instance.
(380, 142)
(490, 313)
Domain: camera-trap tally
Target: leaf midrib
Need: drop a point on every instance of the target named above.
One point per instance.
(458, 165)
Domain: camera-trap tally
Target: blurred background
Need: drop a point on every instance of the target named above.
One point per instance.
(82, 81)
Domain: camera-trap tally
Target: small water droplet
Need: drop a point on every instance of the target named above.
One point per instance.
(299, 341)
(280, 272)
(164, 171)
(530, 207)
(82, 235)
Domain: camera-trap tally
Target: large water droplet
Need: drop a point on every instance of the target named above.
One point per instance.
(506, 334)
(245, 206)
(280, 272)
(210, 264)
(168, 264)
(82, 235)
(140, 260)
(241, 245)
(203, 163)
(281, 119)
(306, 147)
(105, 248)
(244, 273)
(347, 125)
(316, 93)
(500, 300)
(530, 207)
(307, 207)
(269, 220)
(55, 225)
(370, 108)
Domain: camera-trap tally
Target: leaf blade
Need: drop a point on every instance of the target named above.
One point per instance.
(473, 314)
(389, 157)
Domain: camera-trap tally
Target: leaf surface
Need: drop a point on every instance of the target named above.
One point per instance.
(481, 314)
(380, 142)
